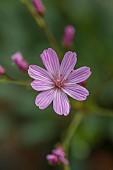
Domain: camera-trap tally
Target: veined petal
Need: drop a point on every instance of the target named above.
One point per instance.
(79, 75)
(61, 103)
(51, 61)
(45, 98)
(38, 73)
(39, 85)
(68, 63)
(76, 91)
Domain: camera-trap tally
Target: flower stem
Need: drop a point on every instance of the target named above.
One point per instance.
(76, 121)
(72, 128)
(43, 25)
(66, 167)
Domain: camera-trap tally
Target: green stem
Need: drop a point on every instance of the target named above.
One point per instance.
(66, 167)
(43, 25)
(76, 121)
(72, 128)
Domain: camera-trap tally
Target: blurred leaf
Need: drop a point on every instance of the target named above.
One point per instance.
(5, 126)
(36, 132)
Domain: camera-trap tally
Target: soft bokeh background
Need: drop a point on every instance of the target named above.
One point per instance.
(27, 134)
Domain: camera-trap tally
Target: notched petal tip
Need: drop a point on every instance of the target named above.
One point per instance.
(88, 69)
(74, 54)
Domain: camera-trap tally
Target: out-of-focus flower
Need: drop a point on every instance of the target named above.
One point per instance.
(21, 63)
(58, 81)
(69, 33)
(57, 156)
(40, 8)
(2, 70)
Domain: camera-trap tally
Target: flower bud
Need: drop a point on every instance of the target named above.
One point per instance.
(57, 156)
(69, 33)
(18, 59)
(40, 8)
(2, 70)
(52, 159)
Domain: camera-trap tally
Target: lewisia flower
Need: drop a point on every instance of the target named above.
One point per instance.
(2, 70)
(58, 81)
(57, 156)
(68, 37)
(21, 63)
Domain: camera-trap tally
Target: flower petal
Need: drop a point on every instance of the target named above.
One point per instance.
(68, 63)
(61, 103)
(63, 160)
(59, 151)
(38, 73)
(76, 91)
(79, 75)
(52, 159)
(51, 61)
(45, 98)
(39, 85)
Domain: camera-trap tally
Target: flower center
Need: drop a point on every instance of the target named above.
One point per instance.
(60, 83)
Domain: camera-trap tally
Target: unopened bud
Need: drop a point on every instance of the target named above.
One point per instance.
(40, 8)
(21, 63)
(2, 70)
(68, 37)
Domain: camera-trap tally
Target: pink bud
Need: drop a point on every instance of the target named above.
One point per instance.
(52, 159)
(2, 70)
(69, 33)
(18, 59)
(40, 8)
(57, 156)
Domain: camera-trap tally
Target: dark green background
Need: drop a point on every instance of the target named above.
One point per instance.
(27, 134)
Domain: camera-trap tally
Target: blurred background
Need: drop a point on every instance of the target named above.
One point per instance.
(27, 134)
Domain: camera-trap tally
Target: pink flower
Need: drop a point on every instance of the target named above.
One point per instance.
(57, 156)
(2, 70)
(69, 32)
(58, 81)
(39, 6)
(18, 59)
